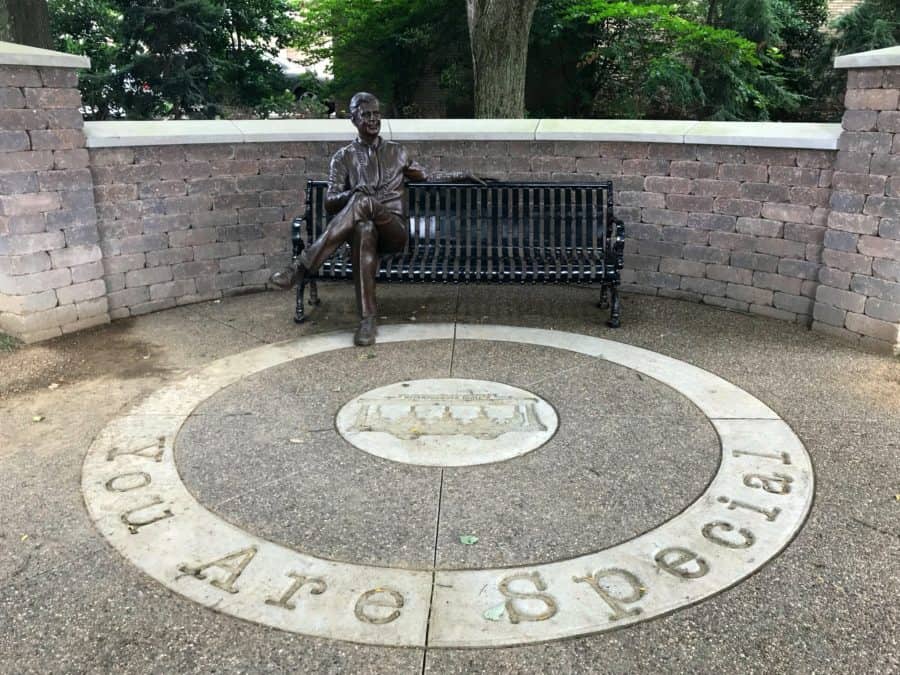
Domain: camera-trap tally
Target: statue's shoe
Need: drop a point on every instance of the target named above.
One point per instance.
(365, 334)
(288, 277)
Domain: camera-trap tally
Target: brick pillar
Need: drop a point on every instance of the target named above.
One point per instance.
(51, 274)
(859, 291)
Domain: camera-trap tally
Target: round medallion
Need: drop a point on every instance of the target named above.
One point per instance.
(447, 422)
(751, 509)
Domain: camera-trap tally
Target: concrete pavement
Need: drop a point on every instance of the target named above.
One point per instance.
(630, 455)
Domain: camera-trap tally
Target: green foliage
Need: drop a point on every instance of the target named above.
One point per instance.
(285, 104)
(872, 24)
(171, 56)
(8, 343)
(391, 47)
(705, 59)
(660, 60)
(256, 30)
(89, 27)
(176, 58)
(805, 60)
(556, 85)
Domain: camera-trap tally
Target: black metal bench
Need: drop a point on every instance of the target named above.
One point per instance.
(501, 232)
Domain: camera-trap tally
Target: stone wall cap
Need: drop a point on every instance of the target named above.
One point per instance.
(184, 132)
(653, 131)
(262, 131)
(463, 129)
(168, 132)
(803, 135)
(755, 134)
(13, 54)
(876, 58)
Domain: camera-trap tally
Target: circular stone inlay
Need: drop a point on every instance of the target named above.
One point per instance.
(447, 422)
(752, 508)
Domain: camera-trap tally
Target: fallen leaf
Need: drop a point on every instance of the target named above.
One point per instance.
(53, 385)
(24, 537)
(295, 440)
(897, 498)
(37, 418)
(468, 539)
(495, 613)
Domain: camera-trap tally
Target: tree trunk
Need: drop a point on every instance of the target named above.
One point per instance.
(498, 30)
(26, 22)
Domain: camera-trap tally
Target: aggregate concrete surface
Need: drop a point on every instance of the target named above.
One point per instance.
(829, 603)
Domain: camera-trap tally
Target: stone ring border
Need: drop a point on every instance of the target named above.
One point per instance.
(752, 508)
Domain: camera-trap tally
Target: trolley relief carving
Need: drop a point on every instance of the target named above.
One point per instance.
(481, 416)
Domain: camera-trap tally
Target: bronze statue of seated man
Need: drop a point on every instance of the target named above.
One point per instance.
(367, 195)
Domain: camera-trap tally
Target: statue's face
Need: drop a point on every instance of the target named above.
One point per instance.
(367, 120)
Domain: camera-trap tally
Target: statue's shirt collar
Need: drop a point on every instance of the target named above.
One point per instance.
(374, 145)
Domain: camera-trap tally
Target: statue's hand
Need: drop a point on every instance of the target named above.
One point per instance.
(472, 178)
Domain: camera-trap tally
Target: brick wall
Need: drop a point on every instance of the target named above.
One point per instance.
(736, 227)
(51, 275)
(859, 294)
(186, 223)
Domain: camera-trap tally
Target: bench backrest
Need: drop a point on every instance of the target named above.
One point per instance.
(502, 231)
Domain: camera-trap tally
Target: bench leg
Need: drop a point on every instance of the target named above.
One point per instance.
(604, 298)
(299, 314)
(615, 308)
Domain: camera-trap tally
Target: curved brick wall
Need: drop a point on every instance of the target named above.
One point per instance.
(736, 227)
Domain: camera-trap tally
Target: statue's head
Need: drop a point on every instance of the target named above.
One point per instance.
(365, 113)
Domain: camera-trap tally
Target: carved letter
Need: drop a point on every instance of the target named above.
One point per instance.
(156, 451)
(379, 597)
(615, 603)
(777, 484)
(134, 525)
(672, 559)
(128, 481)
(732, 504)
(783, 457)
(517, 614)
(233, 563)
(709, 533)
(318, 587)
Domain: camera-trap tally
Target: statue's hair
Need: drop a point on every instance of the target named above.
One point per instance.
(359, 98)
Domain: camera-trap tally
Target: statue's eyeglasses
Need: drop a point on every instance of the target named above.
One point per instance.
(370, 115)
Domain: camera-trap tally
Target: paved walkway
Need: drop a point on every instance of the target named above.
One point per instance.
(602, 509)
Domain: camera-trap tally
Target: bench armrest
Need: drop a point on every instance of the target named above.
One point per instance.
(297, 227)
(615, 254)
